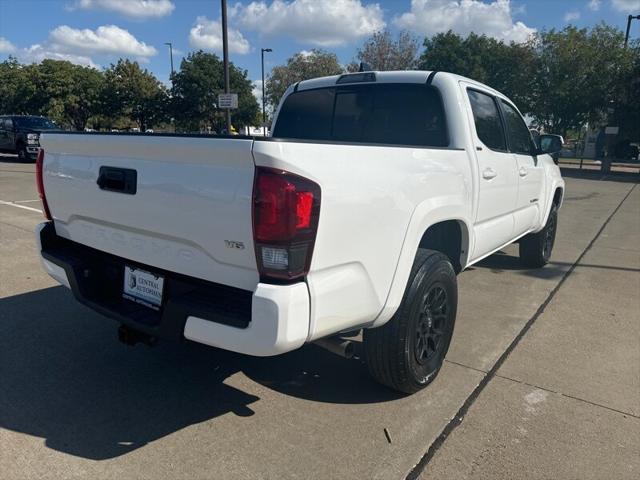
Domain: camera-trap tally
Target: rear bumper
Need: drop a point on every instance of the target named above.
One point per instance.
(273, 319)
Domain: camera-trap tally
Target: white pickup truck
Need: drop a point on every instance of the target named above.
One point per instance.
(374, 191)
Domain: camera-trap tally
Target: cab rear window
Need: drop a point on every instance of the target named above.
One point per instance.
(391, 114)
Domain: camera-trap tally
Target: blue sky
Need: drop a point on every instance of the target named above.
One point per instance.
(98, 32)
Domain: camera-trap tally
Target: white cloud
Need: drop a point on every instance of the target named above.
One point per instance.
(105, 40)
(6, 46)
(79, 46)
(207, 35)
(324, 23)
(494, 19)
(36, 53)
(129, 8)
(257, 91)
(571, 16)
(594, 5)
(627, 6)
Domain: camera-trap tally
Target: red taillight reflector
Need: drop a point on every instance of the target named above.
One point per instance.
(285, 219)
(40, 184)
(304, 206)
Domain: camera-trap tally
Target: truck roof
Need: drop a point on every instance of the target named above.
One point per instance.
(397, 76)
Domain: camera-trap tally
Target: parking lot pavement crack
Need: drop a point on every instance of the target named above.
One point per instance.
(16, 227)
(466, 366)
(567, 396)
(462, 411)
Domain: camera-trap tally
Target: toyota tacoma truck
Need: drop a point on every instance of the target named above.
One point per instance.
(374, 190)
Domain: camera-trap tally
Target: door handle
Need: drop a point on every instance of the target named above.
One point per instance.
(523, 172)
(489, 173)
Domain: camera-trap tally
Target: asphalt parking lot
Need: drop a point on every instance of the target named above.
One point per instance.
(542, 379)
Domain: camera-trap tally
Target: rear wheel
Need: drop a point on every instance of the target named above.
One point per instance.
(535, 248)
(407, 352)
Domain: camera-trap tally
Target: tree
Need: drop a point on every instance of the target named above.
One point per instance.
(509, 68)
(195, 93)
(580, 76)
(18, 86)
(629, 98)
(134, 93)
(302, 66)
(69, 94)
(381, 52)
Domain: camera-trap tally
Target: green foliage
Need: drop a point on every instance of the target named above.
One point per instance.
(317, 63)
(509, 68)
(561, 78)
(18, 87)
(195, 94)
(581, 73)
(381, 52)
(134, 93)
(68, 93)
(629, 96)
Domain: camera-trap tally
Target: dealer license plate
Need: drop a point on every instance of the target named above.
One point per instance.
(143, 287)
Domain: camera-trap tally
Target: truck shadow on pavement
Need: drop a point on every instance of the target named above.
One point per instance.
(500, 262)
(64, 377)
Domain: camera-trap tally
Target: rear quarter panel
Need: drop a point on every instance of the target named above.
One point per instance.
(372, 196)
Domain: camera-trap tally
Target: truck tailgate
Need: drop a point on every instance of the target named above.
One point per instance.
(190, 213)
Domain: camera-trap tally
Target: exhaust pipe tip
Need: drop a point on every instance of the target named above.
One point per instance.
(338, 346)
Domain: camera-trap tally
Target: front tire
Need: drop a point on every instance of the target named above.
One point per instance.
(535, 248)
(23, 155)
(407, 352)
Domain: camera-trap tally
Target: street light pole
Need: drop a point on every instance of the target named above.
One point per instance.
(225, 55)
(171, 57)
(264, 110)
(629, 18)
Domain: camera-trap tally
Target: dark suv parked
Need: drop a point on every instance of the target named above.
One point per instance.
(21, 134)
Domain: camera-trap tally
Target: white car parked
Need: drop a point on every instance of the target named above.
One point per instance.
(374, 191)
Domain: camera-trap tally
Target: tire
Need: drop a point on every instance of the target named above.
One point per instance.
(407, 352)
(536, 248)
(23, 155)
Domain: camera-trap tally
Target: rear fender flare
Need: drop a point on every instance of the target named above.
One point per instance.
(428, 213)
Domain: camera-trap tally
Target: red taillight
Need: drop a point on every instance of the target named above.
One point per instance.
(40, 184)
(286, 208)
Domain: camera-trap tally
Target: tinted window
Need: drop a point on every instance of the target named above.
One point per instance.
(35, 122)
(487, 120)
(306, 115)
(400, 114)
(6, 124)
(519, 135)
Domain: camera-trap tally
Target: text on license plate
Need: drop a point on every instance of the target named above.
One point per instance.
(143, 287)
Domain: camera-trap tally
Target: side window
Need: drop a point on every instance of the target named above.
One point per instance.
(519, 135)
(487, 120)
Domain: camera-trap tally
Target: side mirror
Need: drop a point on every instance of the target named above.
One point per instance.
(549, 144)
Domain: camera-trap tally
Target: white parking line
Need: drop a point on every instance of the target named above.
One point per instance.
(24, 207)
(25, 201)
